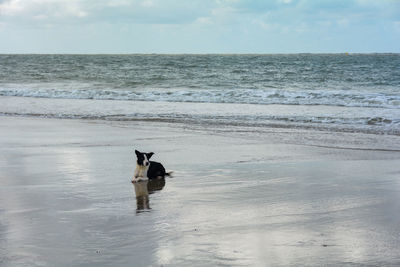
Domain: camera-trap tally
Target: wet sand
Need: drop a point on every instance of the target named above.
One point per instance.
(66, 198)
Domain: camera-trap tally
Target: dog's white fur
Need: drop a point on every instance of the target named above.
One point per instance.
(141, 171)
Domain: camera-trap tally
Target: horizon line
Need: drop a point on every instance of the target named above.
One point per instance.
(121, 54)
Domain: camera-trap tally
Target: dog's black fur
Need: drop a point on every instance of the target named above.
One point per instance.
(156, 169)
(140, 157)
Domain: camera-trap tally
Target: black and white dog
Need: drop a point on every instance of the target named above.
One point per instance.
(146, 169)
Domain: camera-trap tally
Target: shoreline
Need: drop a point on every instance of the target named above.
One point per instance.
(335, 119)
(236, 131)
(235, 199)
(231, 119)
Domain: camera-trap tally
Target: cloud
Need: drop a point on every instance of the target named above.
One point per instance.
(217, 24)
(20, 11)
(184, 12)
(111, 11)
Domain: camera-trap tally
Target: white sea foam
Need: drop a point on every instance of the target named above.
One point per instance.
(330, 118)
(242, 96)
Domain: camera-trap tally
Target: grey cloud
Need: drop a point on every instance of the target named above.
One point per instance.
(146, 12)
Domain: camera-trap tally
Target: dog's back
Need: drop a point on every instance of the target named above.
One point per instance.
(156, 170)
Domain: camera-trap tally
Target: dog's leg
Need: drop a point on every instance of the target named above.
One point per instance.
(136, 175)
(139, 179)
(140, 174)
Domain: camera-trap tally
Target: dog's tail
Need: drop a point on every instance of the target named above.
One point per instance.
(169, 174)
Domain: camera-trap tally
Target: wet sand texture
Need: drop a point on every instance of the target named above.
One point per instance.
(66, 198)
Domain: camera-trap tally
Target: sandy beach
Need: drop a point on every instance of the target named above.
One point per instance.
(235, 200)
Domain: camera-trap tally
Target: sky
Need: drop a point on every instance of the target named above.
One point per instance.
(199, 26)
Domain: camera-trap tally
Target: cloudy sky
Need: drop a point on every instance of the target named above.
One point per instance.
(199, 26)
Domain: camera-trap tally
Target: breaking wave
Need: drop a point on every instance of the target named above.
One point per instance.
(239, 96)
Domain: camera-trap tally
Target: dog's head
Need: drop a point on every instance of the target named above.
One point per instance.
(143, 159)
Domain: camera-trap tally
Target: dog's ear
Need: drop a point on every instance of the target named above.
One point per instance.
(137, 153)
(149, 155)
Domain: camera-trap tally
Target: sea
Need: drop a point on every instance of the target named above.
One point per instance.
(334, 93)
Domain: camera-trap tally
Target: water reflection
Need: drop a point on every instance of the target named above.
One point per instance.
(142, 191)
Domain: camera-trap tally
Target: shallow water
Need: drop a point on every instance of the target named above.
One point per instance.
(66, 199)
(330, 120)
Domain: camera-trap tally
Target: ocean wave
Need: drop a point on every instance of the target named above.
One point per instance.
(238, 96)
(330, 118)
(371, 125)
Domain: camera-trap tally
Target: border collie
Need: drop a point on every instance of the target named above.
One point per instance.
(146, 169)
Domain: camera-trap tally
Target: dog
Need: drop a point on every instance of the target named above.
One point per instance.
(146, 169)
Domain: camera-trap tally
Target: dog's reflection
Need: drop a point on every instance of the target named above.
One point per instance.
(142, 191)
